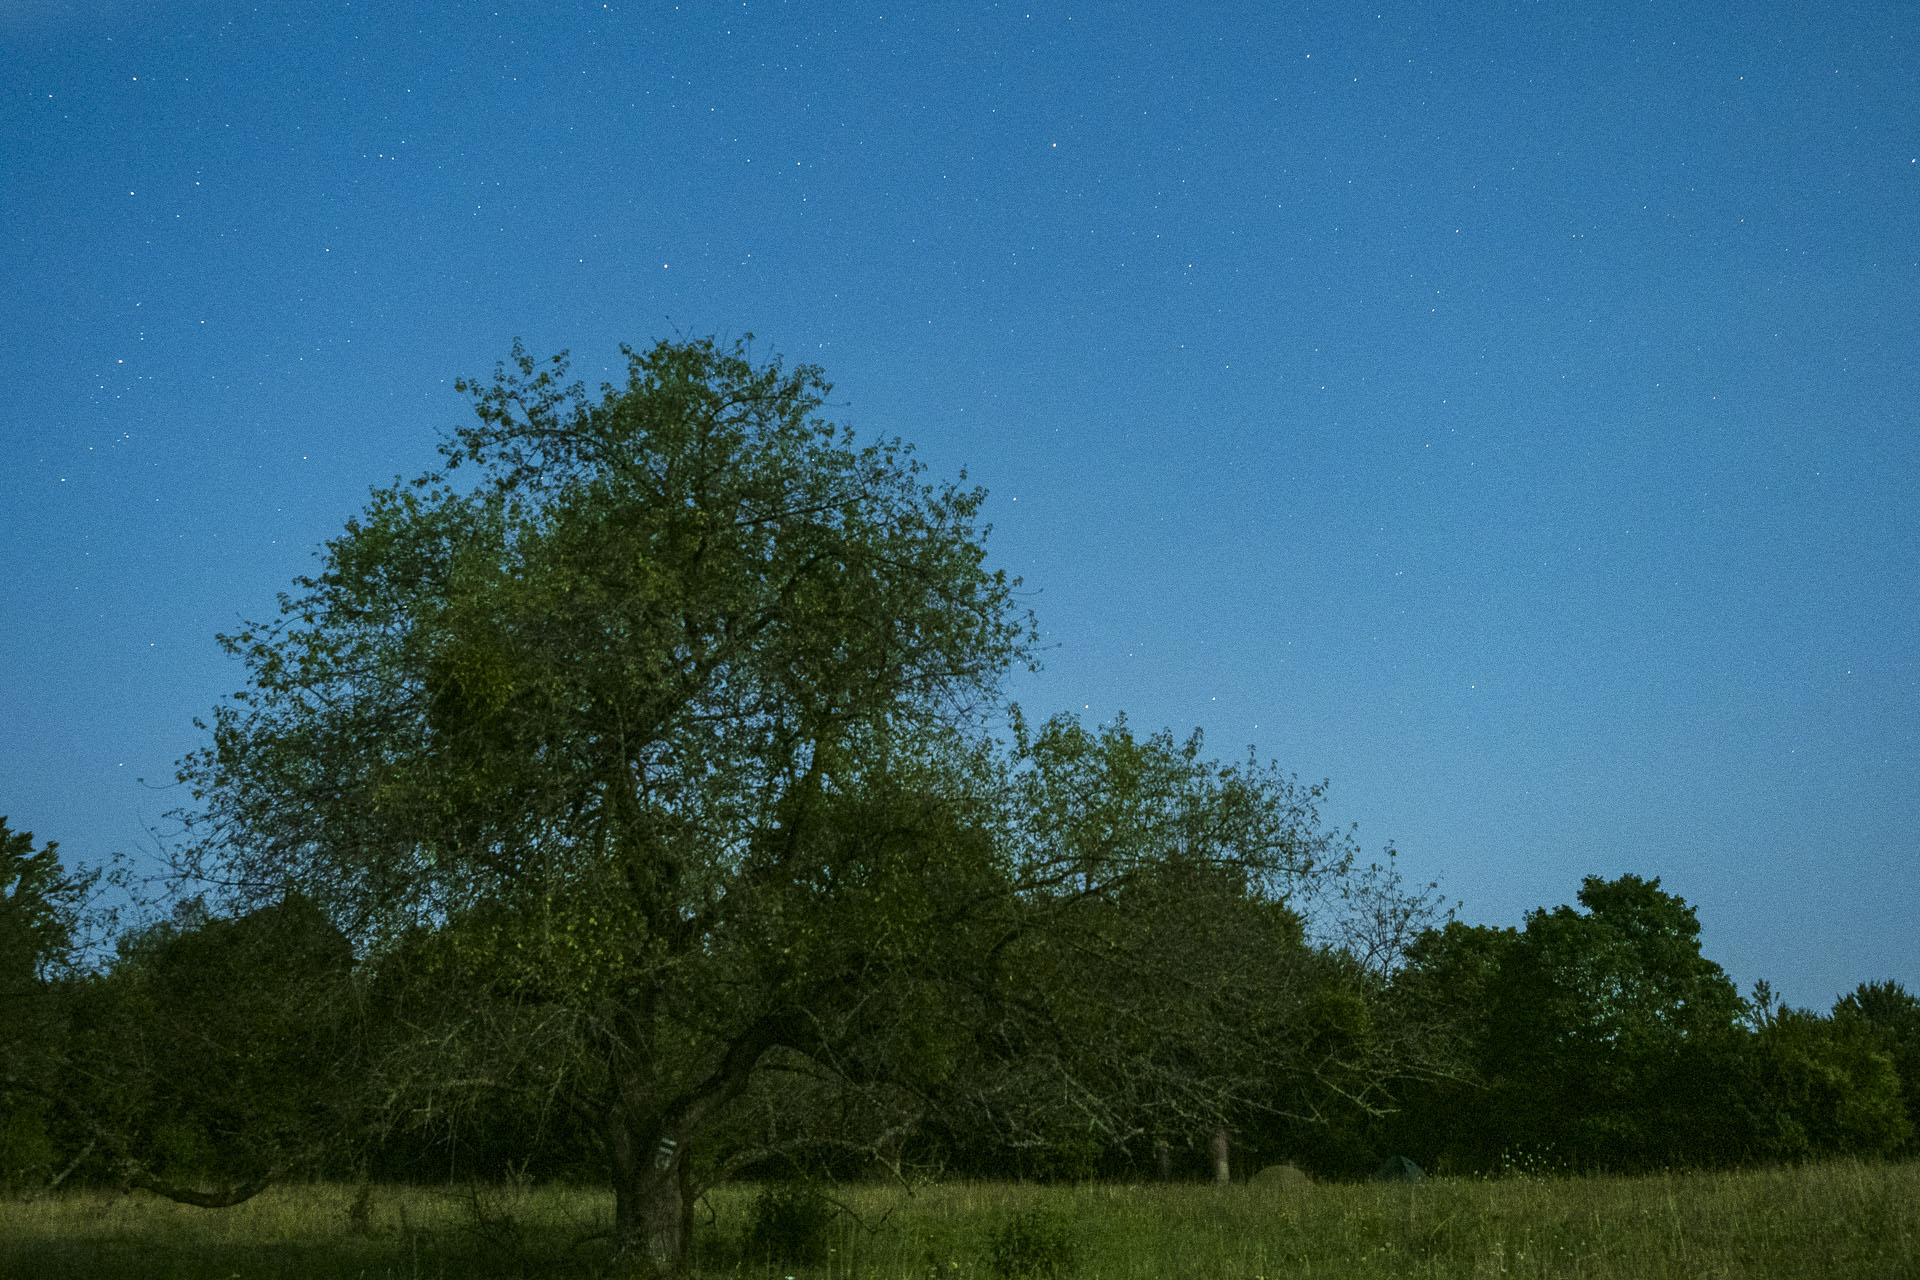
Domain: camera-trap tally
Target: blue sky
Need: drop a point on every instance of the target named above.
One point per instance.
(1506, 412)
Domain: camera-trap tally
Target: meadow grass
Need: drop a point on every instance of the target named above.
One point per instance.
(1835, 1220)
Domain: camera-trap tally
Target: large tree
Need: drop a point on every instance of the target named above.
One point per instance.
(661, 718)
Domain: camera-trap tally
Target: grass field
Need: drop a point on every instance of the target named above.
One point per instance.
(1839, 1220)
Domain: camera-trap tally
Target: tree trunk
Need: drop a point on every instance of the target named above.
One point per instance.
(1222, 1173)
(1163, 1157)
(648, 1133)
(646, 1150)
(651, 1216)
(651, 1210)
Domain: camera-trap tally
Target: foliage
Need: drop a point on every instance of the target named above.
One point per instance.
(622, 798)
(41, 905)
(791, 1223)
(1451, 1118)
(1606, 1024)
(1599, 1038)
(1894, 1014)
(1890, 1008)
(1828, 1086)
(28, 1156)
(1158, 980)
(1034, 1245)
(215, 1055)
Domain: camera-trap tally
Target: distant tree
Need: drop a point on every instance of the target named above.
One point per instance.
(41, 903)
(652, 712)
(1168, 945)
(1158, 982)
(1607, 1029)
(213, 1056)
(1827, 1086)
(1450, 1120)
(1595, 1038)
(1888, 1006)
(1894, 1014)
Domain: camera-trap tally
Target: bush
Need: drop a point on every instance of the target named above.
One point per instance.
(26, 1152)
(790, 1224)
(1032, 1246)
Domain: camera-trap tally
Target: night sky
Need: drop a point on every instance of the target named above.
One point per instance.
(1505, 411)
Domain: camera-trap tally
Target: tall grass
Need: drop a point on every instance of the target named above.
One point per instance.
(1838, 1220)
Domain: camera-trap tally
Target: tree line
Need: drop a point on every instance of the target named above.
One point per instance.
(634, 798)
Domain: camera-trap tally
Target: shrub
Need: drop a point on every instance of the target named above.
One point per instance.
(1032, 1246)
(790, 1224)
(26, 1152)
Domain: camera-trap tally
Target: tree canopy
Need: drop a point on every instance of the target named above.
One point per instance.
(631, 691)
